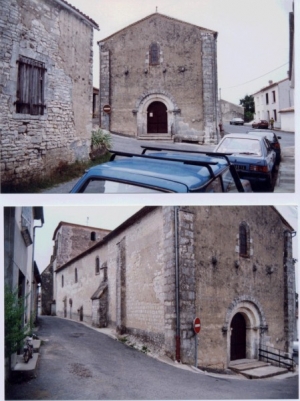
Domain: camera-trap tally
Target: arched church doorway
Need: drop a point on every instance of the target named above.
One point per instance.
(238, 337)
(157, 118)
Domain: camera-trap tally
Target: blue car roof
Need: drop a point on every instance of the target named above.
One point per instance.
(174, 176)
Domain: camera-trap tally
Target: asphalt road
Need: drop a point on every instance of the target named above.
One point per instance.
(79, 363)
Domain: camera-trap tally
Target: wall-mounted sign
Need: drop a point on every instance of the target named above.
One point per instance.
(107, 109)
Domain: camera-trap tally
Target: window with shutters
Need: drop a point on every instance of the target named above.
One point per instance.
(154, 54)
(30, 91)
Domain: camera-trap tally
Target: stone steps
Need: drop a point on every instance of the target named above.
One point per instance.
(28, 369)
(155, 137)
(254, 369)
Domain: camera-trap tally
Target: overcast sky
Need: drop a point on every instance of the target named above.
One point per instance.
(107, 217)
(253, 35)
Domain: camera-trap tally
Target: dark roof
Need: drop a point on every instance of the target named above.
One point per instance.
(98, 293)
(161, 15)
(69, 6)
(38, 213)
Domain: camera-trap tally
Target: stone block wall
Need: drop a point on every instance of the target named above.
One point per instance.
(33, 145)
(228, 282)
(73, 239)
(77, 295)
(47, 290)
(135, 268)
(185, 79)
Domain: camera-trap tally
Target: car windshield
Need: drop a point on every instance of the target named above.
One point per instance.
(97, 186)
(240, 145)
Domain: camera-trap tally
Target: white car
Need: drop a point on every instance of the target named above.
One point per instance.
(295, 347)
(236, 121)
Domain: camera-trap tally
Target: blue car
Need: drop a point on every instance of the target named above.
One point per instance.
(162, 171)
(252, 156)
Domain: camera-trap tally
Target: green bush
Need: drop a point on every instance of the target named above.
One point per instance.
(15, 330)
(101, 139)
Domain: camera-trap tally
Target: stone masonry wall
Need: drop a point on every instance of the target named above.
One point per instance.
(78, 294)
(75, 239)
(47, 290)
(138, 250)
(185, 76)
(31, 145)
(290, 290)
(226, 280)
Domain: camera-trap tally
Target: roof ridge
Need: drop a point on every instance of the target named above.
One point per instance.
(67, 4)
(151, 15)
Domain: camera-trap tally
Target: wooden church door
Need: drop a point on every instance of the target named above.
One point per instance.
(238, 337)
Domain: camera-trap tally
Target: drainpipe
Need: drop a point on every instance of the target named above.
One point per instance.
(32, 277)
(177, 286)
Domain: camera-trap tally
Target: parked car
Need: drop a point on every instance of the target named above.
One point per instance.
(295, 347)
(260, 124)
(162, 171)
(273, 139)
(253, 157)
(236, 121)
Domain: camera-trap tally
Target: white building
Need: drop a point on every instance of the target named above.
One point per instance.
(276, 101)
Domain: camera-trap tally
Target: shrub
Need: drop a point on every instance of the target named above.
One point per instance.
(15, 331)
(101, 138)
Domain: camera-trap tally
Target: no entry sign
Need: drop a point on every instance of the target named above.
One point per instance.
(107, 108)
(197, 325)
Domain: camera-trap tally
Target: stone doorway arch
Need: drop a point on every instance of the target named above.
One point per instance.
(141, 111)
(245, 313)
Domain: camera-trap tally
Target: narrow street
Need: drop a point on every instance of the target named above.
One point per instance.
(79, 363)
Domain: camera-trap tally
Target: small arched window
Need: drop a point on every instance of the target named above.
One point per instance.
(62, 280)
(97, 265)
(154, 54)
(76, 275)
(244, 240)
(93, 236)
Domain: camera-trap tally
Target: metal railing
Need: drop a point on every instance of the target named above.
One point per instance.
(276, 357)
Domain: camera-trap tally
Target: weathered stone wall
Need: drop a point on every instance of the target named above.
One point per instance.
(136, 300)
(47, 290)
(227, 282)
(230, 111)
(32, 145)
(80, 292)
(185, 79)
(74, 239)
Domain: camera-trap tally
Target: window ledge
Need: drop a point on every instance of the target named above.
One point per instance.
(19, 116)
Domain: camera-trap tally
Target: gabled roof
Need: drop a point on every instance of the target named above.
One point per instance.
(161, 15)
(270, 86)
(77, 12)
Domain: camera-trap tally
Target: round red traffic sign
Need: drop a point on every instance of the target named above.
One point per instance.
(107, 108)
(197, 325)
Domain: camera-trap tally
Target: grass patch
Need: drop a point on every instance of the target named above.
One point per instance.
(62, 173)
(123, 340)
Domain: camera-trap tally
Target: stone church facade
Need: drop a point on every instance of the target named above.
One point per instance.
(164, 266)
(159, 77)
(46, 87)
